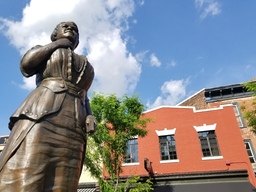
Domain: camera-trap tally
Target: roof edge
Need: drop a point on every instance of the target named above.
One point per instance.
(190, 97)
(188, 107)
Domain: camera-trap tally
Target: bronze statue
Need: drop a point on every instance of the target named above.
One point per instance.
(47, 143)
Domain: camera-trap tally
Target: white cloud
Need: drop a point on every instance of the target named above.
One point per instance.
(102, 25)
(141, 55)
(28, 83)
(142, 2)
(173, 63)
(172, 92)
(208, 7)
(154, 60)
(199, 3)
(248, 66)
(117, 70)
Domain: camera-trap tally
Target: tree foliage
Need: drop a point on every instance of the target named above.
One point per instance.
(250, 115)
(118, 121)
(134, 184)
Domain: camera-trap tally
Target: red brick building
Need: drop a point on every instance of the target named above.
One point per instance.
(191, 150)
(240, 98)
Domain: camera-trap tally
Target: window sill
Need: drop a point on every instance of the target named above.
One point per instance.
(170, 161)
(212, 158)
(130, 164)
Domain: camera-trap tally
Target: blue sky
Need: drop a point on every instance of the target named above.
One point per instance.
(162, 50)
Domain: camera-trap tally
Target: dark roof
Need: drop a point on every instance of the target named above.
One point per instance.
(208, 187)
(226, 92)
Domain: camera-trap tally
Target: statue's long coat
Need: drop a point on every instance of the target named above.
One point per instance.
(47, 142)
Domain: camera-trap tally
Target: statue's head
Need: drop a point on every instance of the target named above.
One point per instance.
(67, 29)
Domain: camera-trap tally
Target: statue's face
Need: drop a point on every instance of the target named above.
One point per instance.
(68, 30)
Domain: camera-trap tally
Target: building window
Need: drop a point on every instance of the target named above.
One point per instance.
(131, 151)
(249, 150)
(238, 115)
(209, 144)
(167, 147)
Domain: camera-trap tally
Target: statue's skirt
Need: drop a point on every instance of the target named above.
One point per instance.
(50, 156)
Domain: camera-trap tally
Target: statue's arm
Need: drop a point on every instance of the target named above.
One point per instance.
(38, 55)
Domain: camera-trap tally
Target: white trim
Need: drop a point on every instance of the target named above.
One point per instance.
(212, 157)
(166, 132)
(187, 107)
(205, 127)
(170, 161)
(130, 164)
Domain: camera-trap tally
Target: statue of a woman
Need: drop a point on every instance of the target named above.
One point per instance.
(46, 146)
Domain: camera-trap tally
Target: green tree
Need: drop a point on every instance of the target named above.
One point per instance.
(250, 114)
(118, 121)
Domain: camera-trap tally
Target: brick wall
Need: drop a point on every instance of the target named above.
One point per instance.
(198, 101)
(187, 143)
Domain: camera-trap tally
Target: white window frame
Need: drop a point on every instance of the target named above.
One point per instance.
(239, 116)
(167, 132)
(203, 128)
(133, 163)
(251, 149)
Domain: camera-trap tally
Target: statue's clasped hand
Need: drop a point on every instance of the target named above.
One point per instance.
(64, 43)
